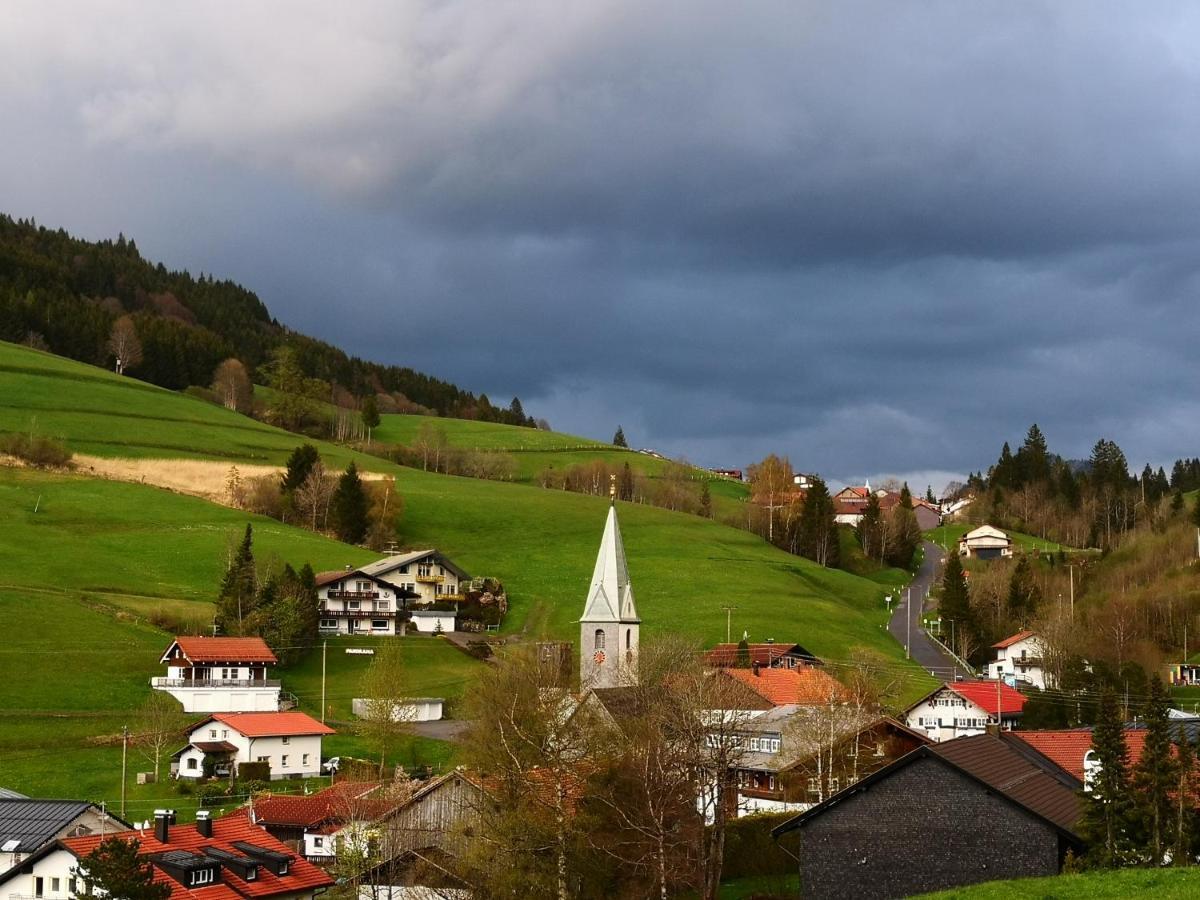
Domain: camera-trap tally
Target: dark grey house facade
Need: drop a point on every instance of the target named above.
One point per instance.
(927, 822)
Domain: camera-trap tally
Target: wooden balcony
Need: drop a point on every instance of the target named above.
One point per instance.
(430, 579)
(160, 682)
(358, 614)
(354, 595)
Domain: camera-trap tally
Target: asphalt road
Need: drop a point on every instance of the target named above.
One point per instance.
(931, 657)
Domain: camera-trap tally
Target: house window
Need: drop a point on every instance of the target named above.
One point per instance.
(754, 744)
(318, 842)
(833, 785)
(304, 759)
(379, 624)
(381, 605)
(813, 787)
(599, 641)
(286, 740)
(771, 783)
(71, 886)
(403, 570)
(774, 745)
(879, 748)
(54, 885)
(191, 763)
(202, 876)
(224, 733)
(283, 761)
(329, 623)
(628, 638)
(352, 604)
(364, 587)
(265, 759)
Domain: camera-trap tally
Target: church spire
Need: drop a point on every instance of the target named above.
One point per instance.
(610, 597)
(608, 630)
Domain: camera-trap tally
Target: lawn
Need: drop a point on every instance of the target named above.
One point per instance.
(947, 536)
(1162, 884)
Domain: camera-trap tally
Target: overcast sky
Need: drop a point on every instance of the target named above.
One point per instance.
(881, 238)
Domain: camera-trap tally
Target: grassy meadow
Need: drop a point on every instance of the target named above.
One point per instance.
(1162, 884)
(947, 535)
(88, 565)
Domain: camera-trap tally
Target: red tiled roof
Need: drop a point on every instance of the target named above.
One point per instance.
(226, 649)
(302, 875)
(1066, 749)
(1009, 641)
(308, 811)
(806, 686)
(983, 694)
(269, 724)
(763, 654)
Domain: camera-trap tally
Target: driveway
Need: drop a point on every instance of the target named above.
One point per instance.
(929, 655)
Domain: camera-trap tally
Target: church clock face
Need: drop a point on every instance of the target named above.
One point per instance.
(598, 656)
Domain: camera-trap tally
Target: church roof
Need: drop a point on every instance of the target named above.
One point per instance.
(610, 598)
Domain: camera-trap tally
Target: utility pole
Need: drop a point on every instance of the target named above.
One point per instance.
(124, 760)
(1071, 570)
(728, 623)
(324, 649)
(908, 623)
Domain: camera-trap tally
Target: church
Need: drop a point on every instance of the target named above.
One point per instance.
(608, 631)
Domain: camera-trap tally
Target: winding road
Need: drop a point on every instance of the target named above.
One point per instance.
(929, 655)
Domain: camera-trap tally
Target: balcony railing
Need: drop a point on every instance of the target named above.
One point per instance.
(431, 579)
(358, 613)
(160, 682)
(354, 595)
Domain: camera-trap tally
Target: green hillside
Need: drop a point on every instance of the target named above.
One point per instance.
(88, 566)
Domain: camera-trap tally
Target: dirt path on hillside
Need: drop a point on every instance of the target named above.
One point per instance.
(208, 479)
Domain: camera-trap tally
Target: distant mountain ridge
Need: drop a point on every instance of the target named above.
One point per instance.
(64, 294)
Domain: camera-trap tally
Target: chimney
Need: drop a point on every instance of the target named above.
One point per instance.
(204, 823)
(754, 666)
(162, 824)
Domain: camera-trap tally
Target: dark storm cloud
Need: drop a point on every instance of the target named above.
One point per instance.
(879, 237)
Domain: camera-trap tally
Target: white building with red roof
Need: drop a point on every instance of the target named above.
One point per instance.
(313, 823)
(223, 859)
(289, 742)
(219, 674)
(964, 708)
(1019, 658)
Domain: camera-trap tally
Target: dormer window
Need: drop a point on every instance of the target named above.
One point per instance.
(202, 876)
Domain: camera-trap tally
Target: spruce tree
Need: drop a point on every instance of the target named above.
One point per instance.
(743, 654)
(349, 507)
(625, 484)
(818, 537)
(929, 498)
(237, 598)
(906, 497)
(955, 603)
(1104, 823)
(869, 530)
(705, 500)
(114, 869)
(1185, 799)
(370, 415)
(299, 465)
(619, 438)
(1024, 595)
(1154, 777)
(1177, 502)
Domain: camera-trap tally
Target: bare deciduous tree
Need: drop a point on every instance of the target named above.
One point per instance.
(124, 344)
(385, 720)
(232, 384)
(160, 723)
(313, 496)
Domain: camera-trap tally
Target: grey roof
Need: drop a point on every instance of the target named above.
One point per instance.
(6, 794)
(610, 597)
(391, 563)
(33, 823)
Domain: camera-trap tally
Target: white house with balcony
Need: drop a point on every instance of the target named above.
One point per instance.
(965, 708)
(376, 598)
(219, 674)
(289, 742)
(1019, 659)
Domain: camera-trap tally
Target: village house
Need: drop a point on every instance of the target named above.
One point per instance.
(213, 859)
(768, 654)
(965, 708)
(219, 674)
(433, 621)
(376, 598)
(850, 504)
(1186, 672)
(985, 542)
(27, 825)
(946, 815)
(289, 742)
(805, 686)
(952, 509)
(411, 709)
(797, 756)
(311, 823)
(1019, 659)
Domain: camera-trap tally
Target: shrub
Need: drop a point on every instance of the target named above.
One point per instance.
(263, 496)
(248, 772)
(36, 450)
(211, 794)
(750, 849)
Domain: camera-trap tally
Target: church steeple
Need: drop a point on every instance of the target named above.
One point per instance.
(608, 630)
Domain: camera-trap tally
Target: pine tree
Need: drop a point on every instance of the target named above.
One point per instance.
(743, 654)
(370, 415)
(955, 604)
(1185, 799)
(1154, 776)
(1023, 592)
(299, 465)
(349, 507)
(705, 500)
(114, 869)
(869, 530)
(239, 589)
(1104, 824)
(818, 537)
(929, 498)
(517, 411)
(1033, 459)
(906, 497)
(619, 438)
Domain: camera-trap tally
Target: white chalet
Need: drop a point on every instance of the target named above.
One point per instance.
(290, 742)
(964, 708)
(219, 674)
(372, 599)
(1019, 658)
(985, 542)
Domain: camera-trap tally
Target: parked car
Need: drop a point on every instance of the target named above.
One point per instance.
(331, 765)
